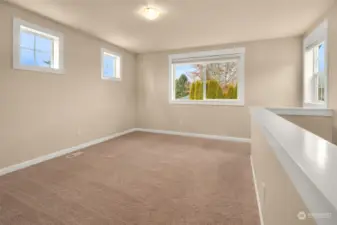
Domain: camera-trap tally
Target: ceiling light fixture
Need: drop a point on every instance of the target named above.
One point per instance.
(150, 13)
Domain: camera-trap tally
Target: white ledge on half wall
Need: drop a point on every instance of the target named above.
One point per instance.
(297, 111)
(310, 162)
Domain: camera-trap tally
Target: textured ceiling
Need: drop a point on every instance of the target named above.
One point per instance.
(183, 23)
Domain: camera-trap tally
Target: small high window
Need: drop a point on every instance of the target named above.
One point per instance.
(110, 65)
(36, 48)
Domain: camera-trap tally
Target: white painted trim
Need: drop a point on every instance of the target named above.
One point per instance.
(302, 111)
(230, 53)
(258, 201)
(297, 150)
(58, 41)
(319, 105)
(118, 69)
(317, 35)
(229, 102)
(62, 152)
(187, 134)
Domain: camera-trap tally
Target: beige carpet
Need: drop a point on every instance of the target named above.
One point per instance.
(140, 178)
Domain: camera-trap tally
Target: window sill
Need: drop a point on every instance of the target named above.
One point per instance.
(111, 78)
(208, 102)
(318, 105)
(39, 69)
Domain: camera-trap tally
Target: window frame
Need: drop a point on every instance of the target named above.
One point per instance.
(118, 65)
(318, 36)
(238, 53)
(57, 38)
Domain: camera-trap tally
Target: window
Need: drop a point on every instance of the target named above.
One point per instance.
(110, 65)
(213, 77)
(36, 48)
(315, 68)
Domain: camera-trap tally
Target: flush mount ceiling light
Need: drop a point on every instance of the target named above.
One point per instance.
(150, 13)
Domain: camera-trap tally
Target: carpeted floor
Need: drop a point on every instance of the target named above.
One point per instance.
(139, 178)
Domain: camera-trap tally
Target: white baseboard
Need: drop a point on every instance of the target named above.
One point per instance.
(207, 136)
(43, 158)
(257, 192)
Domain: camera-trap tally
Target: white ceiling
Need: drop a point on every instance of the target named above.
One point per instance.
(183, 23)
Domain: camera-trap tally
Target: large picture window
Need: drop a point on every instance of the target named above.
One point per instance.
(214, 77)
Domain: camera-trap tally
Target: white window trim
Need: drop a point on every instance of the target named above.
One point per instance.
(46, 32)
(118, 65)
(319, 35)
(230, 53)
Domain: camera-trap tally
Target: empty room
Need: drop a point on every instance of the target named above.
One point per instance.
(168, 112)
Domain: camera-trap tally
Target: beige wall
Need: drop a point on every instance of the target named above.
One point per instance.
(319, 125)
(42, 112)
(280, 202)
(272, 77)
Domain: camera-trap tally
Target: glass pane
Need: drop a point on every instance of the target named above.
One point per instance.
(27, 57)
(321, 54)
(315, 49)
(109, 66)
(320, 94)
(26, 39)
(188, 81)
(43, 59)
(320, 86)
(308, 74)
(221, 80)
(43, 44)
